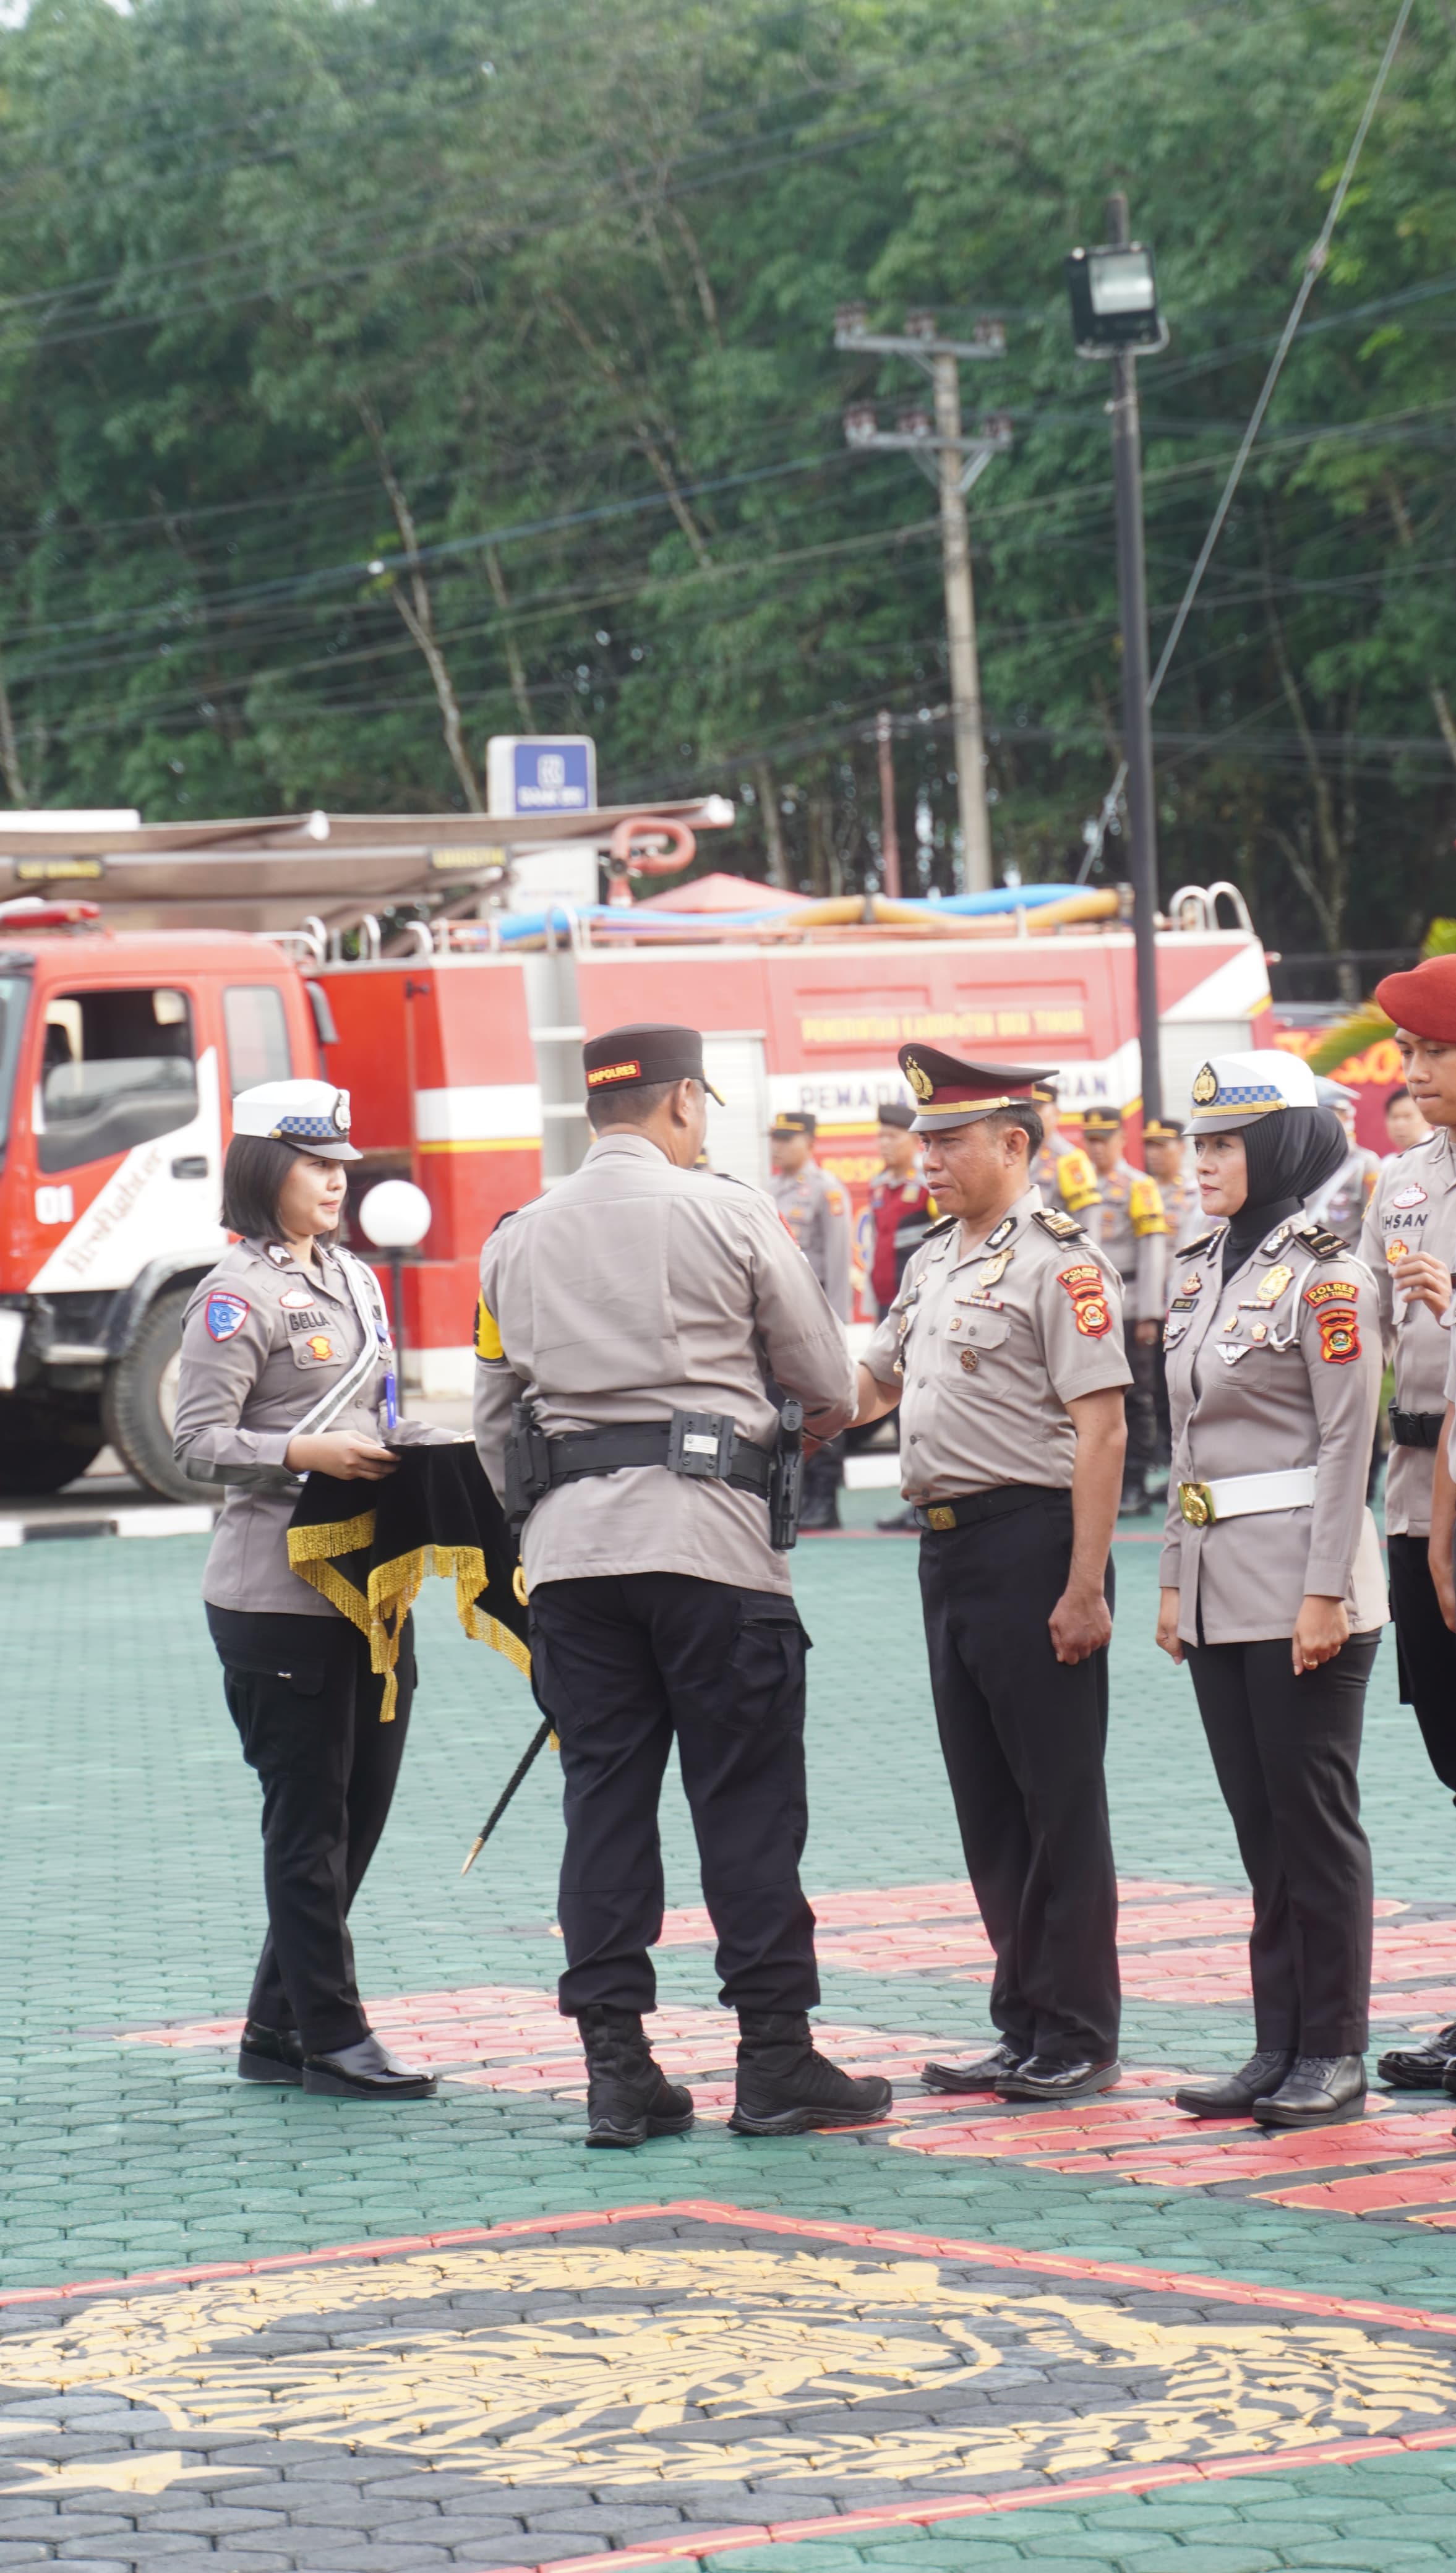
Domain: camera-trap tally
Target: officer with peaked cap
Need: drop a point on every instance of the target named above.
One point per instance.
(1130, 1225)
(1409, 1242)
(816, 1207)
(1061, 1171)
(1270, 1573)
(629, 1321)
(1004, 1350)
(286, 1370)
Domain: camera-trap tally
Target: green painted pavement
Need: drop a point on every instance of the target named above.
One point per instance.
(129, 1897)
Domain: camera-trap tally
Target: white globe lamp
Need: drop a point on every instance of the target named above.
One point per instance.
(396, 1216)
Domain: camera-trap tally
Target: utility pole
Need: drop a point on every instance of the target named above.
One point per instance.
(1114, 314)
(889, 835)
(953, 463)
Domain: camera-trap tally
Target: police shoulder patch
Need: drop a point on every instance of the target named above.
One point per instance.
(226, 1313)
(1063, 1228)
(489, 1343)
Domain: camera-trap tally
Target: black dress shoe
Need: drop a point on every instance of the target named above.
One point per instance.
(1319, 2091)
(270, 2055)
(628, 2097)
(1042, 2078)
(982, 2075)
(1421, 2067)
(785, 2089)
(1235, 2097)
(365, 2070)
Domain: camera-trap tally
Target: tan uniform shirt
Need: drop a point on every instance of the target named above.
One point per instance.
(630, 1290)
(1278, 1367)
(262, 1340)
(1066, 1177)
(1413, 1209)
(1130, 1226)
(1343, 1202)
(990, 1338)
(816, 1208)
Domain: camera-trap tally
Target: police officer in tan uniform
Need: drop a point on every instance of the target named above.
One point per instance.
(1061, 1171)
(1165, 1153)
(1409, 1242)
(1130, 1225)
(816, 1207)
(1004, 1350)
(1272, 1578)
(635, 1314)
(287, 1368)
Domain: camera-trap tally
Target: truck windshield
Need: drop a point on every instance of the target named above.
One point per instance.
(14, 1002)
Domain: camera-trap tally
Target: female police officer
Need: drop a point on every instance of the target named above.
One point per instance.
(285, 1362)
(1271, 1576)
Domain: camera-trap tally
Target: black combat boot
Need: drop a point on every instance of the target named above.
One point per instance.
(629, 2097)
(784, 2087)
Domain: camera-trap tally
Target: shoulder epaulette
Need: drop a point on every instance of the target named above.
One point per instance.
(1063, 1228)
(1205, 1242)
(1326, 1245)
(944, 1225)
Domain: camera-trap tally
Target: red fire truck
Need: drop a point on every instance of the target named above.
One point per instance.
(124, 1036)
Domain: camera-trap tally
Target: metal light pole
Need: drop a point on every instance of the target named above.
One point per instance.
(888, 834)
(1114, 314)
(953, 463)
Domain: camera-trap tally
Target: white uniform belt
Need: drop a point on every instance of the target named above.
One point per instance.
(1243, 1496)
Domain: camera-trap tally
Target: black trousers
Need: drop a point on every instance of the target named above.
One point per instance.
(1286, 1750)
(1024, 1737)
(621, 1665)
(1141, 1410)
(307, 1707)
(1162, 1411)
(1425, 1652)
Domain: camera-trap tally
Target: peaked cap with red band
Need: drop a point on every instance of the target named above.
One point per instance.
(1423, 1001)
(950, 1092)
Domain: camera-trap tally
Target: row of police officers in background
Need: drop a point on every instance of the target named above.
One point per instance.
(650, 1336)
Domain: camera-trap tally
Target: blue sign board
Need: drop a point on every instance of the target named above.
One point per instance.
(551, 777)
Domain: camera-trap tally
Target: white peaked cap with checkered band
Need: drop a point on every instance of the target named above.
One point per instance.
(1235, 1089)
(312, 1116)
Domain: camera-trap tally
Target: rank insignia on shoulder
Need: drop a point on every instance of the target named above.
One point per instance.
(1205, 1241)
(1063, 1228)
(1003, 1233)
(1324, 1244)
(947, 1225)
(280, 1254)
(226, 1316)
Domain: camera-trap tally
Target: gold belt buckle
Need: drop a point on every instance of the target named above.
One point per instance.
(1197, 1504)
(940, 1517)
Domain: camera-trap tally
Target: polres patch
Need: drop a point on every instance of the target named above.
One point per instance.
(1087, 1289)
(226, 1315)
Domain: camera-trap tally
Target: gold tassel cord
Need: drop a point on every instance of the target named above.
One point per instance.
(392, 1591)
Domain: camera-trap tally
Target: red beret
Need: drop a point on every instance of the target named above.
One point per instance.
(1423, 1001)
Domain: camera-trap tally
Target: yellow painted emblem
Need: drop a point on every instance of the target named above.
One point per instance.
(919, 1078)
(1206, 1085)
(677, 2363)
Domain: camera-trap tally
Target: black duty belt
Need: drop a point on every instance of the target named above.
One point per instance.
(1416, 1428)
(698, 1444)
(999, 1504)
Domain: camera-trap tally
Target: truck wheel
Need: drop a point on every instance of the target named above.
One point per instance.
(40, 1450)
(139, 1403)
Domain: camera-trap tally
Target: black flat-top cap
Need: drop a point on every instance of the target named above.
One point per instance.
(630, 1057)
(896, 1111)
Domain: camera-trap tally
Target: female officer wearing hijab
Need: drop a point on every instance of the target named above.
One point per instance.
(287, 1370)
(1271, 1576)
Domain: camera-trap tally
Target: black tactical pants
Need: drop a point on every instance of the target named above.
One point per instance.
(1286, 1750)
(1425, 1652)
(307, 1707)
(1024, 1737)
(621, 1665)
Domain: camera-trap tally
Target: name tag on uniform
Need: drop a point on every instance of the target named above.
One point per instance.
(311, 1320)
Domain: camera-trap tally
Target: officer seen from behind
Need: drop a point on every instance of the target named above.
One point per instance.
(816, 1207)
(1004, 1350)
(629, 1321)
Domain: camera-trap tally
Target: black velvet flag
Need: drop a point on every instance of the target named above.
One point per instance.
(435, 1513)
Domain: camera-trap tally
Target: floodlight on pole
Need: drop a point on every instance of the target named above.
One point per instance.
(1115, 315)
(396, 1216)
(953, 462)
